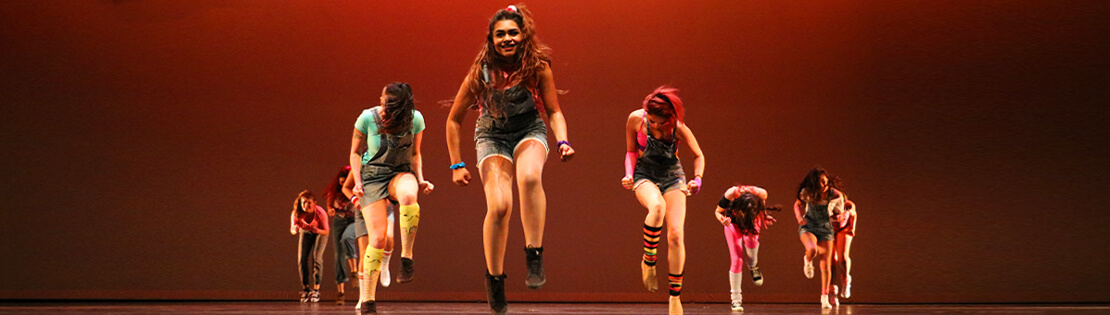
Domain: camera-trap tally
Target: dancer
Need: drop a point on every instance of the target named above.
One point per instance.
(341, 213)
(845, 225)
(818, 199)
(743, 212)
(385, 154)
(511, 82)
(310, 223)
(653, 171)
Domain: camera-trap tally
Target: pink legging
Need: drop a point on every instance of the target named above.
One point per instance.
(740, 245)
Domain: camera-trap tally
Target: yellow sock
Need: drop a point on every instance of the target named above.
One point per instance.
(410, 217)
(370, 264)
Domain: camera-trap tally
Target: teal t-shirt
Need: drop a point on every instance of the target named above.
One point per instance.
(367, 125)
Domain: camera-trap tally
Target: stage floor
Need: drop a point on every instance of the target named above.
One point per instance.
(523, 308)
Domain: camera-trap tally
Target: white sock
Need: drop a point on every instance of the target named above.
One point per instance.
(385, 268)
(734, 280)
(364, 286)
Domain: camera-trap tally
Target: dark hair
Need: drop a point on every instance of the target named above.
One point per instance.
(397, 110)
(297, 202)
(745, 209)
(335, 189)
(525, 65)
(811, 185)
(664, 102)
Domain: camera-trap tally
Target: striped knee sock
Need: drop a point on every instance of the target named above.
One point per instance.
(675, 283)
(651, 243)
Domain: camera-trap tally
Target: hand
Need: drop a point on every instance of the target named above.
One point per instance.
(358, 189)
(293, 230)
(724, 220)
(427, 187)
(460, 176)
(693, 186)
(627, 182)
(769, 220)
(566, 152)
(331, 212)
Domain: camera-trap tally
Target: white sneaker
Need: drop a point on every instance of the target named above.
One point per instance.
(736, 306)
(832, 297)
(807, 267)
(847, 288)
(825, 302)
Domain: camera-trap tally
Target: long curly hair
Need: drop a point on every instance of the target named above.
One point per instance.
(811, 185)
(745, 209)
(486, 83)
(664, 102)
(397, 110)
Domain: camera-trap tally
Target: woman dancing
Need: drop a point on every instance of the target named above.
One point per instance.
(511, 82)
(818, 199)
(743, 212)
(385, 154)
(653, 171)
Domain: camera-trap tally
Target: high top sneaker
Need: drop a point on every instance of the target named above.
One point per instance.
(534, 260)
(406, 271)
(757, 277)
(495, 293)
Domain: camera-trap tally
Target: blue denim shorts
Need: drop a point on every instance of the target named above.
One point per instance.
(667, 180)
(493, 137)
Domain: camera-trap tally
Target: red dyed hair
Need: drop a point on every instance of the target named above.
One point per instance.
(664, 102)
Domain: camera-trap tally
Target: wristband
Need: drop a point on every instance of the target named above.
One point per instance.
(562, 142)
(458, 165)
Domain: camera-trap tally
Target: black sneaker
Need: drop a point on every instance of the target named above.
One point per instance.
(368, 307)
(534, 262)
(495, 293)
(406, 271)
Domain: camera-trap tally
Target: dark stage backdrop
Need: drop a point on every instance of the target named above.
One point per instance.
(152, 149)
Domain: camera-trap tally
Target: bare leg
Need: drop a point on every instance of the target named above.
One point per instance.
(530, 157)
(649, 196)
(676, 220)
(497, 180)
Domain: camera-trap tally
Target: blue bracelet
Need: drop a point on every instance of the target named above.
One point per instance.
(458, 166)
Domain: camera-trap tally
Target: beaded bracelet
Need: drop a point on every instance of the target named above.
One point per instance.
(458, 166)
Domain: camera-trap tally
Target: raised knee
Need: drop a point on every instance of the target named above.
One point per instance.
(406, 199)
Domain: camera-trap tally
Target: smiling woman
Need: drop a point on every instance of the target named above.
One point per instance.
(510, 82)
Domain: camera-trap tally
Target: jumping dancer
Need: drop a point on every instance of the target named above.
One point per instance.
(653, 171)
(385, 154)
(818, 199)
(511, 82)
(310, 223)
(742, 210)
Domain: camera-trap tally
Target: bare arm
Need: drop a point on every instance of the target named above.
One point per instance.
(631, 152)
(418, 164)
(799, 212)
(554, 112)
(293, 222)
(348, 186)
(755, 190)
(699, 158)
(463, 99)
(358, 147)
